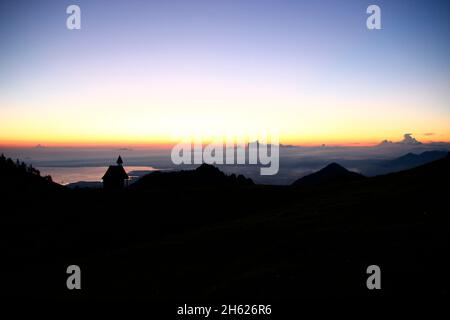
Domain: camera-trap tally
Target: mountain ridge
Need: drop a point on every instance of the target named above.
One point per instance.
(332, 173)
(204, 175)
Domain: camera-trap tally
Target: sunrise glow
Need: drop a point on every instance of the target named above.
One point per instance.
(141, 73)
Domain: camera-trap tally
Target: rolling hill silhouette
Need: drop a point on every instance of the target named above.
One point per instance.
(412, 160)
(204, 176)
(332, 173)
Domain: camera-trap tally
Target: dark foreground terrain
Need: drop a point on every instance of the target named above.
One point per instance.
(220, 238)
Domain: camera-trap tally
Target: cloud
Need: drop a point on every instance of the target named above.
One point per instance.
(429, 134)
(409, 139)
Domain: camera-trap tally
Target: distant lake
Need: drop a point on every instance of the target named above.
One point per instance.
(65, 175)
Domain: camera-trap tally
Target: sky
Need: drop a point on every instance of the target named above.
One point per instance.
(144, 72)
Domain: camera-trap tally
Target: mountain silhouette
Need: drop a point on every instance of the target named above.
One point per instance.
(428, 173)
(203, 176)
(412, 160)
(332, 173)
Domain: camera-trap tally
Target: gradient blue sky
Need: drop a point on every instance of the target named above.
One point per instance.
(137, 69)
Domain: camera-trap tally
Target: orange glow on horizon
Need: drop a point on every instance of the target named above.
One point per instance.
(167, 143)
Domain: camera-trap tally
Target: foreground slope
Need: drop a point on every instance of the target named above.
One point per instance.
(257, 242)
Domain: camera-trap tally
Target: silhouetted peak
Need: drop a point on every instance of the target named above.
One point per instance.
(119, 161)
(208, 169)
(332, 173)
(427, 154)
(205, 166)
(334, 167)
(411, 160)
(203, 176)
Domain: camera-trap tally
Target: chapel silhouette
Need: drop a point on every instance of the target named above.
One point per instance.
(115, 177)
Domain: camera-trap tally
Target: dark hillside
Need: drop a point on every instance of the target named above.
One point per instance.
(253, 242)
